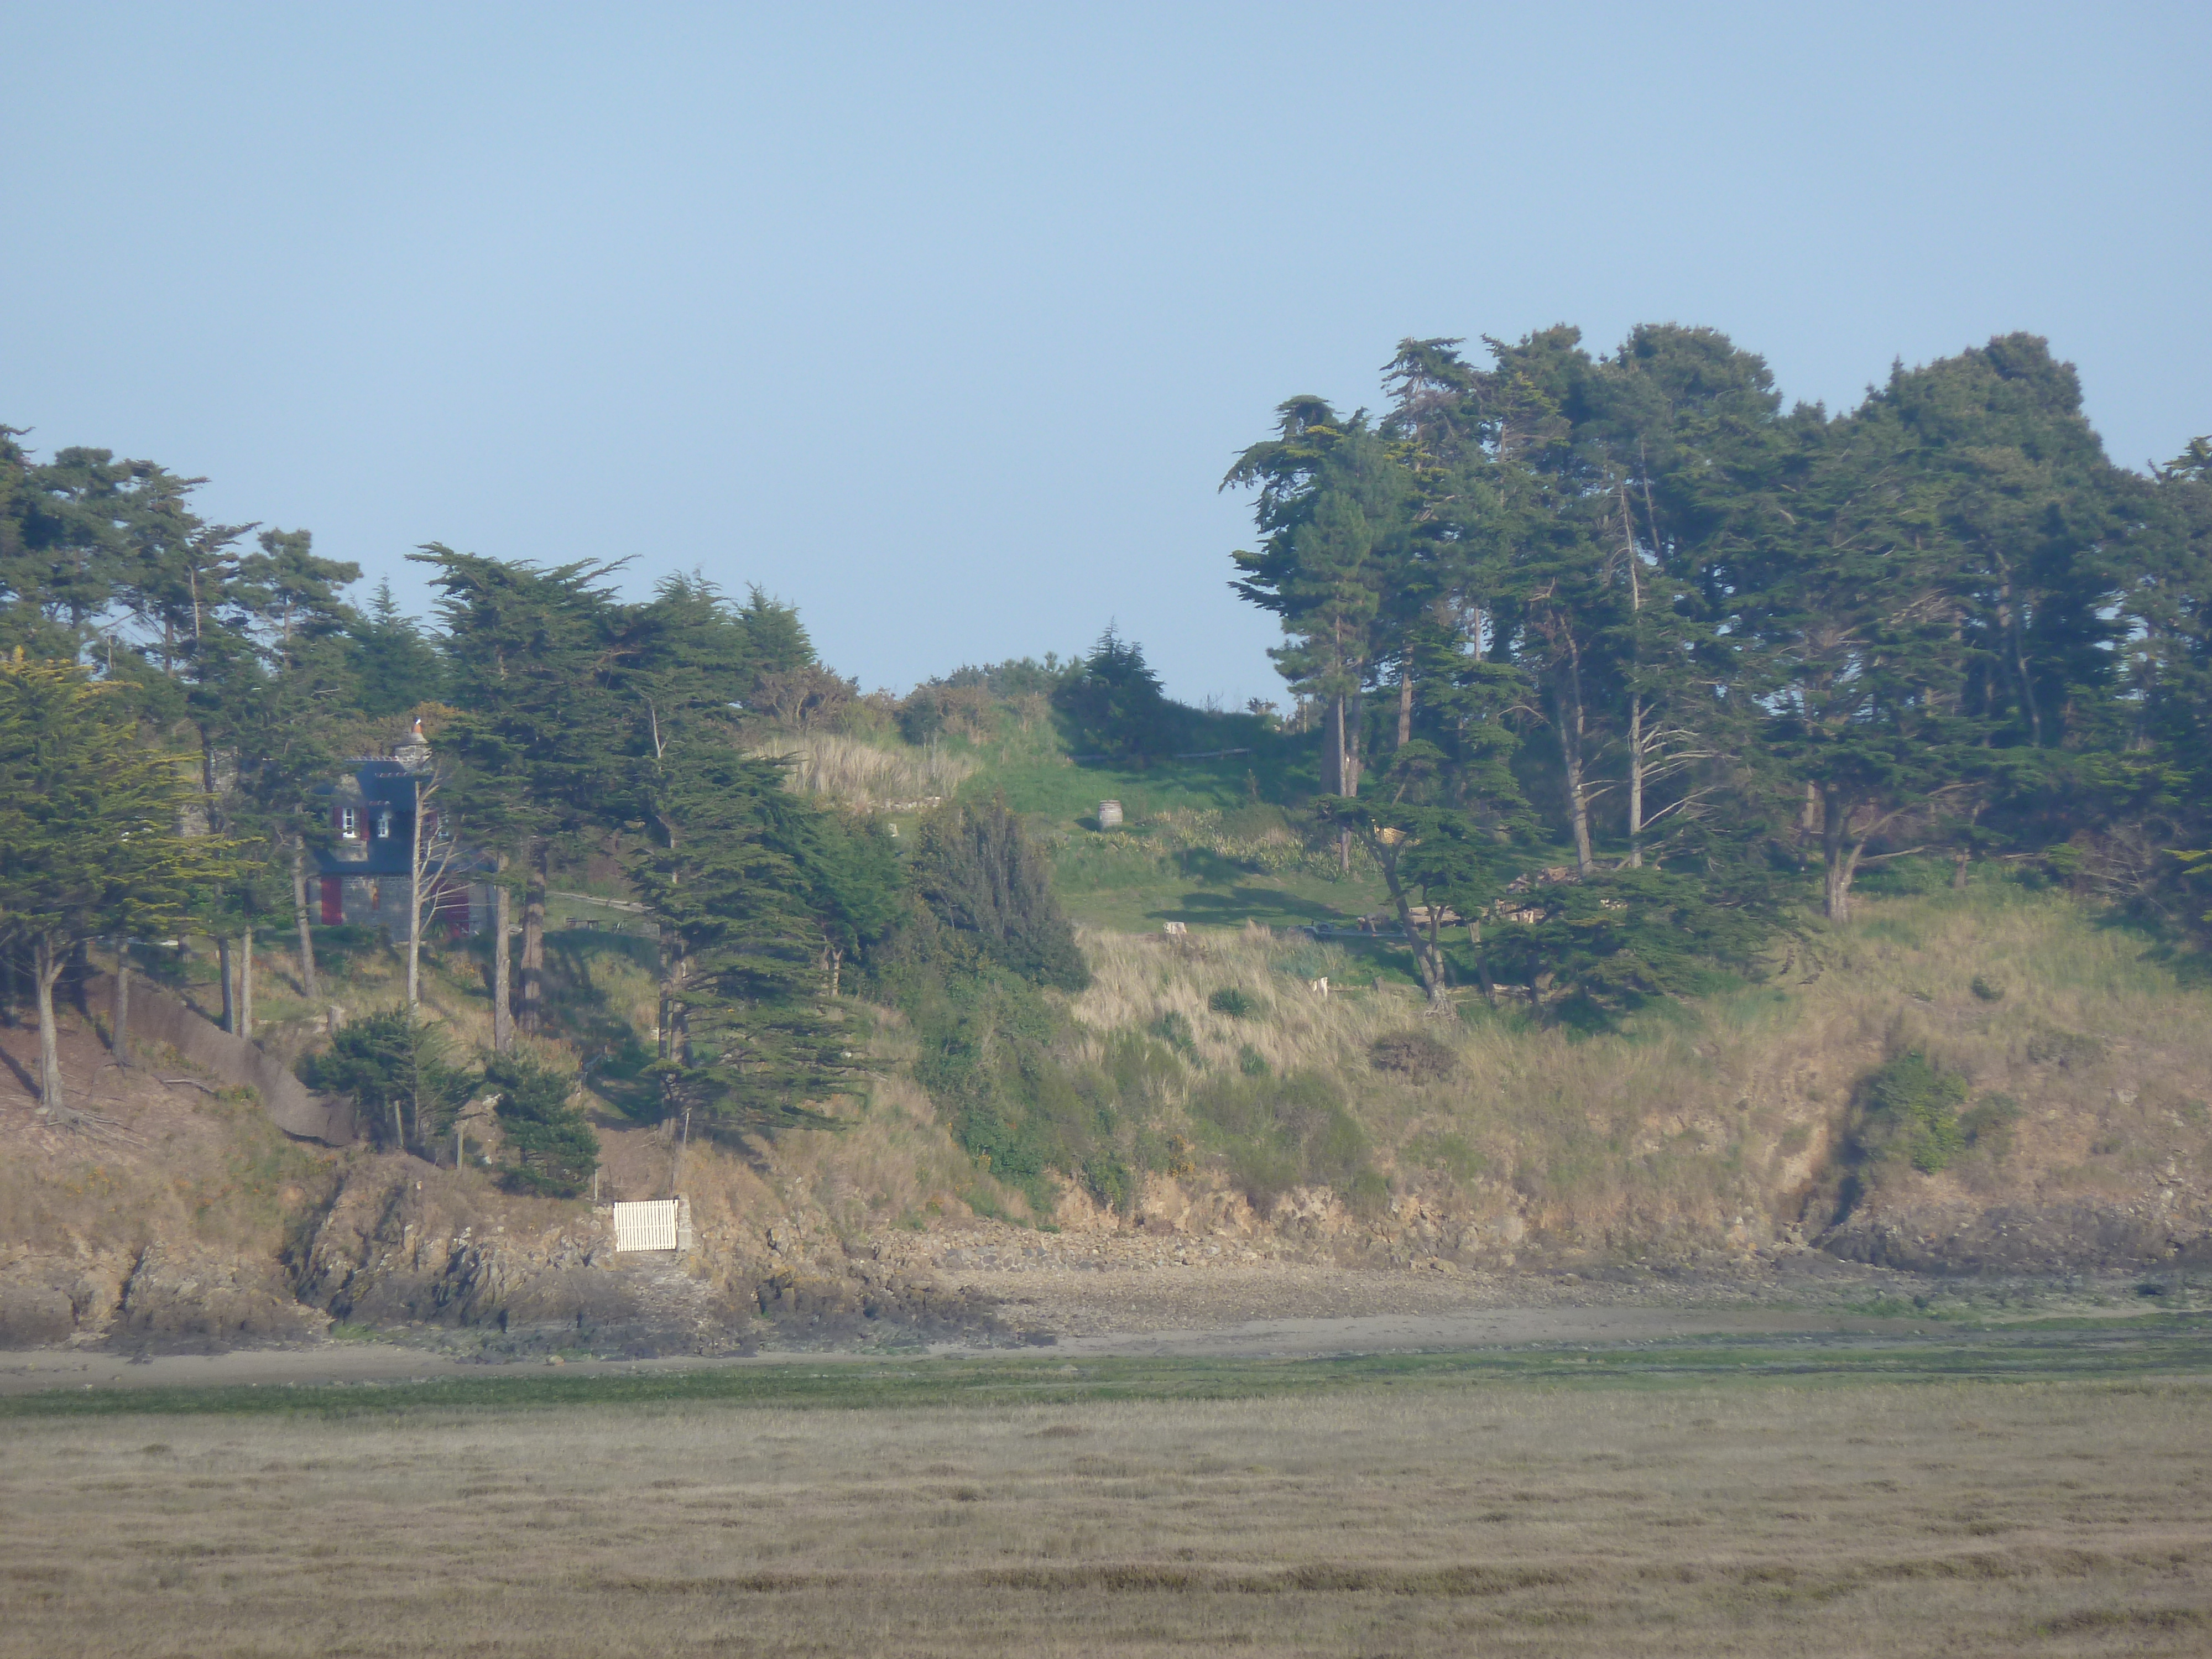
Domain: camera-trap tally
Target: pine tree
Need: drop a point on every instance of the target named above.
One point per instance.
(89, 831)
(748, 1037)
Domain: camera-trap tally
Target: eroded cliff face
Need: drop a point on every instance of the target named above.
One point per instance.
(165, 1296)
(405, 1246)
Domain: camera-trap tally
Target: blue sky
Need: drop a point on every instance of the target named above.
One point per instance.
(945, 323)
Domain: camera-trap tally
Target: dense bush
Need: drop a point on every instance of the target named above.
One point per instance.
(1230, 1001)
(1910, 1112)
(394, 1068)
(981, 877)
(551, 1148)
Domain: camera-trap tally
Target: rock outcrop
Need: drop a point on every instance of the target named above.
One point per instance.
(403, 1245)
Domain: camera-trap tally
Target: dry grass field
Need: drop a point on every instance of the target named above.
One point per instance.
(1746, 1517)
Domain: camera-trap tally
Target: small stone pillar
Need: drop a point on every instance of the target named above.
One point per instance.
(1109, 815)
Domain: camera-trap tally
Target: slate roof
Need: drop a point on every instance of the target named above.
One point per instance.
(374, 785)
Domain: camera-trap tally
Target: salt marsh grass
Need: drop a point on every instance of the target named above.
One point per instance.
(1952, 1518)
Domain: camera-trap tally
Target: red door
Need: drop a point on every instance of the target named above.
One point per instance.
(333, 902)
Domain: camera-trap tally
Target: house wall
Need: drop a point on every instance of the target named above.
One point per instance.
(381, 901)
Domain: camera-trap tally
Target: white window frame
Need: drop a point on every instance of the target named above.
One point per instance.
(349, 824)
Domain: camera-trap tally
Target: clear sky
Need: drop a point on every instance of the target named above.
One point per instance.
(945, 322)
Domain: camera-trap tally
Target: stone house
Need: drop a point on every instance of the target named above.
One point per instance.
(361, 870)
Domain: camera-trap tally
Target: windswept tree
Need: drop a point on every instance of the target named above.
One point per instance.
(749, 1038)
(90, 836)
(537, 659)
(1849, 592)
(1332, 512)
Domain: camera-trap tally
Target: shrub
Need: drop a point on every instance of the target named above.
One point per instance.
(1251, 1061)
(1987, 990)
(1414, 1055)
(1107, 1179)
(553, 1149)
(1278, 1133)
(1448, 1152)
(2065, 1049)
(394, 1068)
(1230, 1001)
(1911, 1112)
(1370, 1193)
(981, 878)
(1988, 1125)
(1174, 1030)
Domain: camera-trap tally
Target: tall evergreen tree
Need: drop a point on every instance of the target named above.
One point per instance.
(89, 836)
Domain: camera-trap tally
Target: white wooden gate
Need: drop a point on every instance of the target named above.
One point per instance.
(658, 1224)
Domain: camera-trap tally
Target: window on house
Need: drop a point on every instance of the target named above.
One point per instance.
(384, 826)
(349, 823)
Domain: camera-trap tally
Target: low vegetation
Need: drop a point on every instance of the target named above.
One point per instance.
(1579, 1503)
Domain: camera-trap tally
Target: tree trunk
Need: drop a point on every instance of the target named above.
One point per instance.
(533, 938)
(503, 1005)
(310, 985)
(2009, 619)
(1482, 964)
(118, 1040)
(1567, 720)
(225, 970)
(1427, 957)
(246, 985)
(44, 970)
(1333, 779)
(1635, 783)
(415, 912)
(1839, 857)
(1404, 706)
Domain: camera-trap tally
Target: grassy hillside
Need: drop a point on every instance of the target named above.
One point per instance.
(1203, 1076)
(1987, 1076)
(1697, 1125)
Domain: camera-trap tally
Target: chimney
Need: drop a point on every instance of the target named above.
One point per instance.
(414, 754)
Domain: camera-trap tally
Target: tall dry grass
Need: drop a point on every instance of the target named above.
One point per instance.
(1752, 1519)
(868, 776)
(1699, 1124)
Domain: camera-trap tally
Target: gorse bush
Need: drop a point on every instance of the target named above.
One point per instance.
(1912, 1113)
(1230, 1001)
